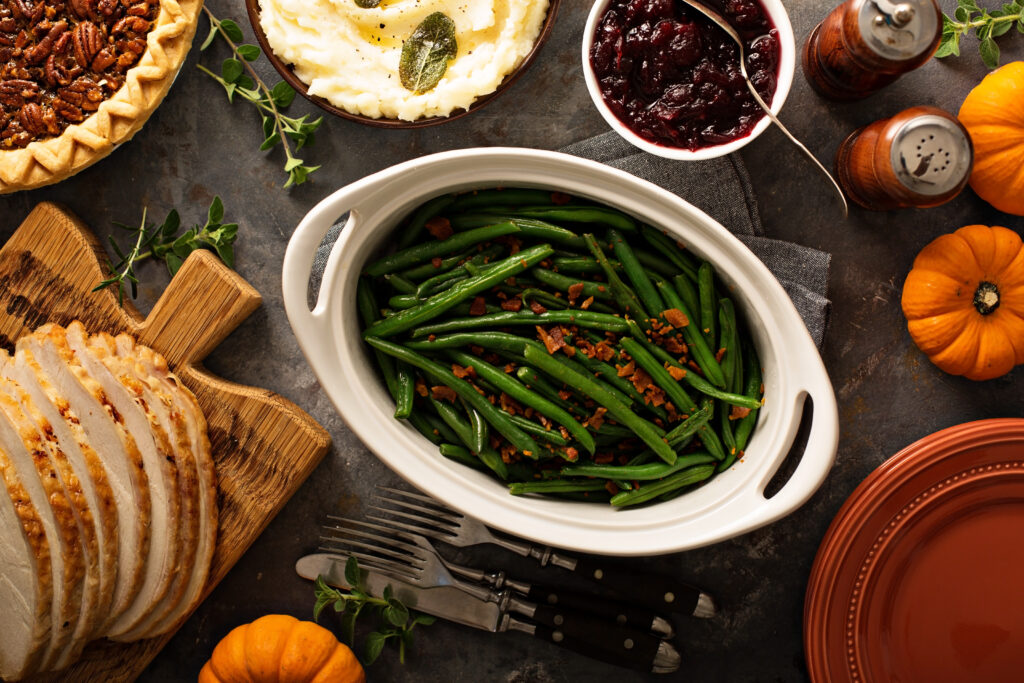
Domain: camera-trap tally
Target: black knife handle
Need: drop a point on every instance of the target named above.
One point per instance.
(653, 590)
(615, 612)
(597, 639)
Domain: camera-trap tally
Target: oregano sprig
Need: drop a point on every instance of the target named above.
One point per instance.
(986, 24)
(163, 243)
(278, 129)
(395, 620)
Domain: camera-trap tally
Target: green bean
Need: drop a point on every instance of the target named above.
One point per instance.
(652, 348)
(698, 345)
(531, 228)
(419, 219)
(581, 214)
(600, 321)
(580, 265)
(424, 427)
(688, 427)
(534, 381)
(686, 290)
(636, 274)
(464, 430)
(400, 284)
(583, 369)
(462, 456)
(706, 290)
(400, 302)
(563, 283)
(610, 375)
(659, 374)
(654, 263)
(648, 472)
(667, 248)
(432, 285)
(626, 298)
(439, 303)
(368, 311)
(428, 269)
(730, 360)
(480, 430)
(545, 299)
(438, 427)
(523, 395)
(752, 388)
(512, 196)
(495, 341)
(540, 430)
(705, 387)
(710, 439)
(405, 378)
(554, 486)
(418, 253)
(648, 433)
(643, 494)
(497, 418)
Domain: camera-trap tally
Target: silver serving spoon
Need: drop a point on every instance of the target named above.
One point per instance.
(720, 21)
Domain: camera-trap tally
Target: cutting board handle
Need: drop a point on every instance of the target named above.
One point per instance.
(203, 304)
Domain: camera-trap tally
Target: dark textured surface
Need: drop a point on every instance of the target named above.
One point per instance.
(196, 145)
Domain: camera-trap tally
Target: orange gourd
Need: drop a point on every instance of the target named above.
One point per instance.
(964, 301)
(281, 649)
(993, 114)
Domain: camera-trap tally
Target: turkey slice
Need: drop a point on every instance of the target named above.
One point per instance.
(86, 408)
(150, 393)
(155, 366)
(160, 461)
(28, 453)
(26, 579)
(56, 419)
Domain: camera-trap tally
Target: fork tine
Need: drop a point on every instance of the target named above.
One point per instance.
(427, 532)
(439, 524)
(376, 560)
(389, 537)
(440, 510)
(404, 558)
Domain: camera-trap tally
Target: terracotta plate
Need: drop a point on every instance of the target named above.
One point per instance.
(919, 577)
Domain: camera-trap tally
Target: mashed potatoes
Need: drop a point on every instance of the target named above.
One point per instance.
(349, 55)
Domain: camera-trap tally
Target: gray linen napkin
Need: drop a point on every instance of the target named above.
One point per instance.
(729, 199)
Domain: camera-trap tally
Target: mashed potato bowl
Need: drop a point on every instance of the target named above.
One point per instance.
(732, 503)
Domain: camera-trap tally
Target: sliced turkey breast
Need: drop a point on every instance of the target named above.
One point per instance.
(160, 461)
(156, 366)
(149, 392)
(28, 453)
(87, 479)
(26, 578)
(86, 409)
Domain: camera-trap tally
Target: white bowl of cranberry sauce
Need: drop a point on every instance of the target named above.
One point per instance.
(668, 80)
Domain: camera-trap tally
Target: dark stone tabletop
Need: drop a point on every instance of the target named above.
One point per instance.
(197, 145)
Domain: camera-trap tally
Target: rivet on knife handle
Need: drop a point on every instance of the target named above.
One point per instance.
(653, 590)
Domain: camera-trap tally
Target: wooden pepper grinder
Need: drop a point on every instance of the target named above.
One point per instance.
(864, 45)
(921, 157)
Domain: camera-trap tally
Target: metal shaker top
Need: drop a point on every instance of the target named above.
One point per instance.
(931, 155)
(898, 29)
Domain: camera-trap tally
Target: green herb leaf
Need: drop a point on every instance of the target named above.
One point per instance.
(374, 645)
(231, 69)
(210, 38)
(396, 613)
(249, 53)
(283, 94)
(989, 53)
(425, 55)
(1000, 29)
(353, 575)
(231, 29)
(367, 4)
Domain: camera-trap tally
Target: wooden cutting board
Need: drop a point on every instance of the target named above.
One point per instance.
(264, 446)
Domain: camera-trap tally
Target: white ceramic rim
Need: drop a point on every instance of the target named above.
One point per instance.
(729, 505)
(787, 66)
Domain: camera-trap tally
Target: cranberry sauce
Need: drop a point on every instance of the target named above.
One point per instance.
(673, 77)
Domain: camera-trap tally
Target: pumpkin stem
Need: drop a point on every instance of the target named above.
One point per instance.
(986, 298)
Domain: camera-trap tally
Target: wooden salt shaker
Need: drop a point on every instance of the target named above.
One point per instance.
(921, 157)
(865, 45)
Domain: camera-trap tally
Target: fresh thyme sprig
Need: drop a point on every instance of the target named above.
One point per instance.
(987, 26)
(163, 243)
(278, 129)
(396, 621)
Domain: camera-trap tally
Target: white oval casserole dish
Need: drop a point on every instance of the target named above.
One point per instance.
(730, 504)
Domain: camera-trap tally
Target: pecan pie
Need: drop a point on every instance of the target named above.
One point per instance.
(78, 77)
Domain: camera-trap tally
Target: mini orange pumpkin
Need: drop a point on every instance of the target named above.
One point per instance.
(964, 301)
(993, 114)
(281, 649)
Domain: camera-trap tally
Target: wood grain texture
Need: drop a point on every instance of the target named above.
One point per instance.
(264, 446)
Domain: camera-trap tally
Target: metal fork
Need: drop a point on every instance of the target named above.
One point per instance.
(422, 515)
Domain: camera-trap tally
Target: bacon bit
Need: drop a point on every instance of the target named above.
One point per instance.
(574, 292)
(440, 227)
(509, 404)
(563, 431)
(443, 393)
(536, 307)
(507, 451)
(511, 282)
(421, 388)
(558, 336)
(641, 380)
(492, 358)
(656, 395)
(673, 345)
(625, 370)
(560, 198)
(694, 366)
(545, 421)
(569, 350)
(564, 394)
(513, 304)
(476, 350)
(509, 369)
(738, 413)
(523, 263)
(611, 487)
(528, 454)
(604, 351)
(461, 372)
(600, 288)
(431, 337)
(587, 302)
(478, 307)
(597, 419)
(528, 411)
(676, 318)
(719, 353)
(436, 262)
(572, 454)
(551, 342)
(603, 458)
(677, 373)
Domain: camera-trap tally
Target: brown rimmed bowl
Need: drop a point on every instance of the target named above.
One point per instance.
(253, 9)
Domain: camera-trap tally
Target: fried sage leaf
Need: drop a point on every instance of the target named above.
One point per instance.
(367, 4)
(425, 55)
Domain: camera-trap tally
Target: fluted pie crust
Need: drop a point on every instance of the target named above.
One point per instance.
(117, 119)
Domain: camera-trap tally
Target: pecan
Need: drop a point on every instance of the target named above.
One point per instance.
(56, 74)
(42, 49)
(68, 112)
(8, 24)
(105, 7)
(139, 10)
(15, 92)
(80, 8)
(88, 42)
(31, 119)
(126, 59)
(130, 25)
(71, 96)
(103, 60)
